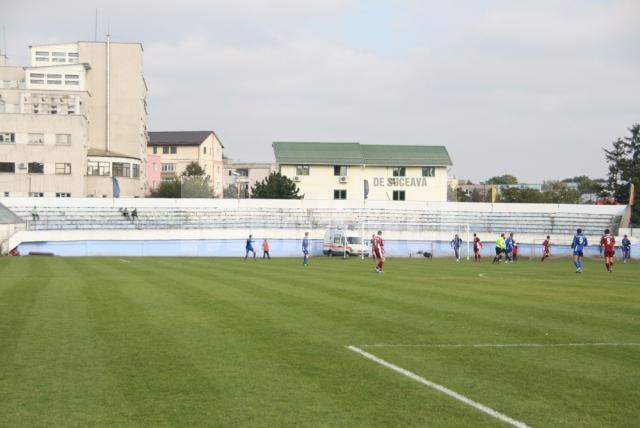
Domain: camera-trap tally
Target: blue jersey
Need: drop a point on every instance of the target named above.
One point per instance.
(249, 246)
(509, 243)
(626, 244)
(305, 245)
(456, 243)
(578, 244)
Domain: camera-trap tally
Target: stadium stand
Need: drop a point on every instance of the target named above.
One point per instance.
(442, 218)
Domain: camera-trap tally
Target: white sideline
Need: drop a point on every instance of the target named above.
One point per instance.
(498, 345)
(489, 411)
(125, 261)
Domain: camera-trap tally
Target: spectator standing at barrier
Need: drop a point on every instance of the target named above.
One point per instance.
(125, 213)
(626, 249)
(305, 249)
(134, 213)
(265, 249)
(500, 248)
(477, 246)
(249, 248)
(456, 243)
(34, 213)
(515, 251)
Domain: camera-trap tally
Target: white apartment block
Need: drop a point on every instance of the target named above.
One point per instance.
(72, 120)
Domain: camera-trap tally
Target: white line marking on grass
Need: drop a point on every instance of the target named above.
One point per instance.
(489, 411)
(481, 275)
(125, 261)
(500, 345)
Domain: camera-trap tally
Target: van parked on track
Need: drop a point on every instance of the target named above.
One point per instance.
(338, 242)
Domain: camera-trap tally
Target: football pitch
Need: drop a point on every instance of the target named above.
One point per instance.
(222, 342)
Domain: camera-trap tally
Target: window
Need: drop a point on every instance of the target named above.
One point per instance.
(121, 169)
(339, 194)
(71, 82)
(7, 137)
(204, 150)
(6, 194)
(36, 81)
(72, 54)
(63, 168)
(36, 168)
(58, 54)
(54, 76)
(63, 139)
(72, 76)
(428, 171)
(54, 82)
(165, 150)
(302, 170)
(36, 138)
(40, 59)
(168, 167)
(399, 171)
(42, 53)
(135, 169)
(98, 168)
(339, 170)
(36, 194)
(37, 75)
(399, 195)
(174, 150)
(7, 167)
(63, 195)
(155, 150)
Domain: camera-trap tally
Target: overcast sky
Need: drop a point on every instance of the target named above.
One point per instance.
(533, 88)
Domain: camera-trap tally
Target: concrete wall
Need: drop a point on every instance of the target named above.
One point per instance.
(321, 183)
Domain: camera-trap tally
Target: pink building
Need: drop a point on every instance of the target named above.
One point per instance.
(153, 173)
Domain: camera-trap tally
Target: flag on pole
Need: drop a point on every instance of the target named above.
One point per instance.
(116, 187)
(493, 194)
(632, 194)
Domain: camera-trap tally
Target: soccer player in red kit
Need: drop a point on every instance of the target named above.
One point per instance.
(477, 245)
(547, 245)
(378, 251)
(608, 243)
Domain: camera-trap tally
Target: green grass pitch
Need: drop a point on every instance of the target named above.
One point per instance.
(221, 342)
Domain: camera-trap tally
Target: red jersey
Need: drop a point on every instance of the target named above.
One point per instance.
(608, 242)
(477, 244)
(546, 244)
(378, 244)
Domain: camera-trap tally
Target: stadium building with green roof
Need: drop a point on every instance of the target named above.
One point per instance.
(351, 170)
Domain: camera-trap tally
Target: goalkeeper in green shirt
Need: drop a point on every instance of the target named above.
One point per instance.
(500, 248)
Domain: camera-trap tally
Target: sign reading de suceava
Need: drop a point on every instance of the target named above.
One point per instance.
(400, 181)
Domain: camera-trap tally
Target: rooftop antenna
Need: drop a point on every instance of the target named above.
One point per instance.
(4, 40)
(95, 28)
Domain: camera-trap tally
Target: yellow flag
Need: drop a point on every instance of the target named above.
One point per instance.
(493, 194)
(632, 194)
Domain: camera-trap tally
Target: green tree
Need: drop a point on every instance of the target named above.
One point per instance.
(192, 183)
(586, 185)
(558, 192)
(503, 179)
(231, 192)
(276, 186)
(624, 169)
(193, 170)
(517, 195)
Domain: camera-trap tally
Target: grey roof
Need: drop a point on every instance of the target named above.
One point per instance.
(302, 153)
(179, 138)
(104, 153)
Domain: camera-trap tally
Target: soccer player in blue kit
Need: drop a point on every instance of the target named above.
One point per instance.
(626, 249)
(578, 245)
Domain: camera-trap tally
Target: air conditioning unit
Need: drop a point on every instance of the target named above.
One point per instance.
(22, 166)
(343, 179)
(296, 179)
